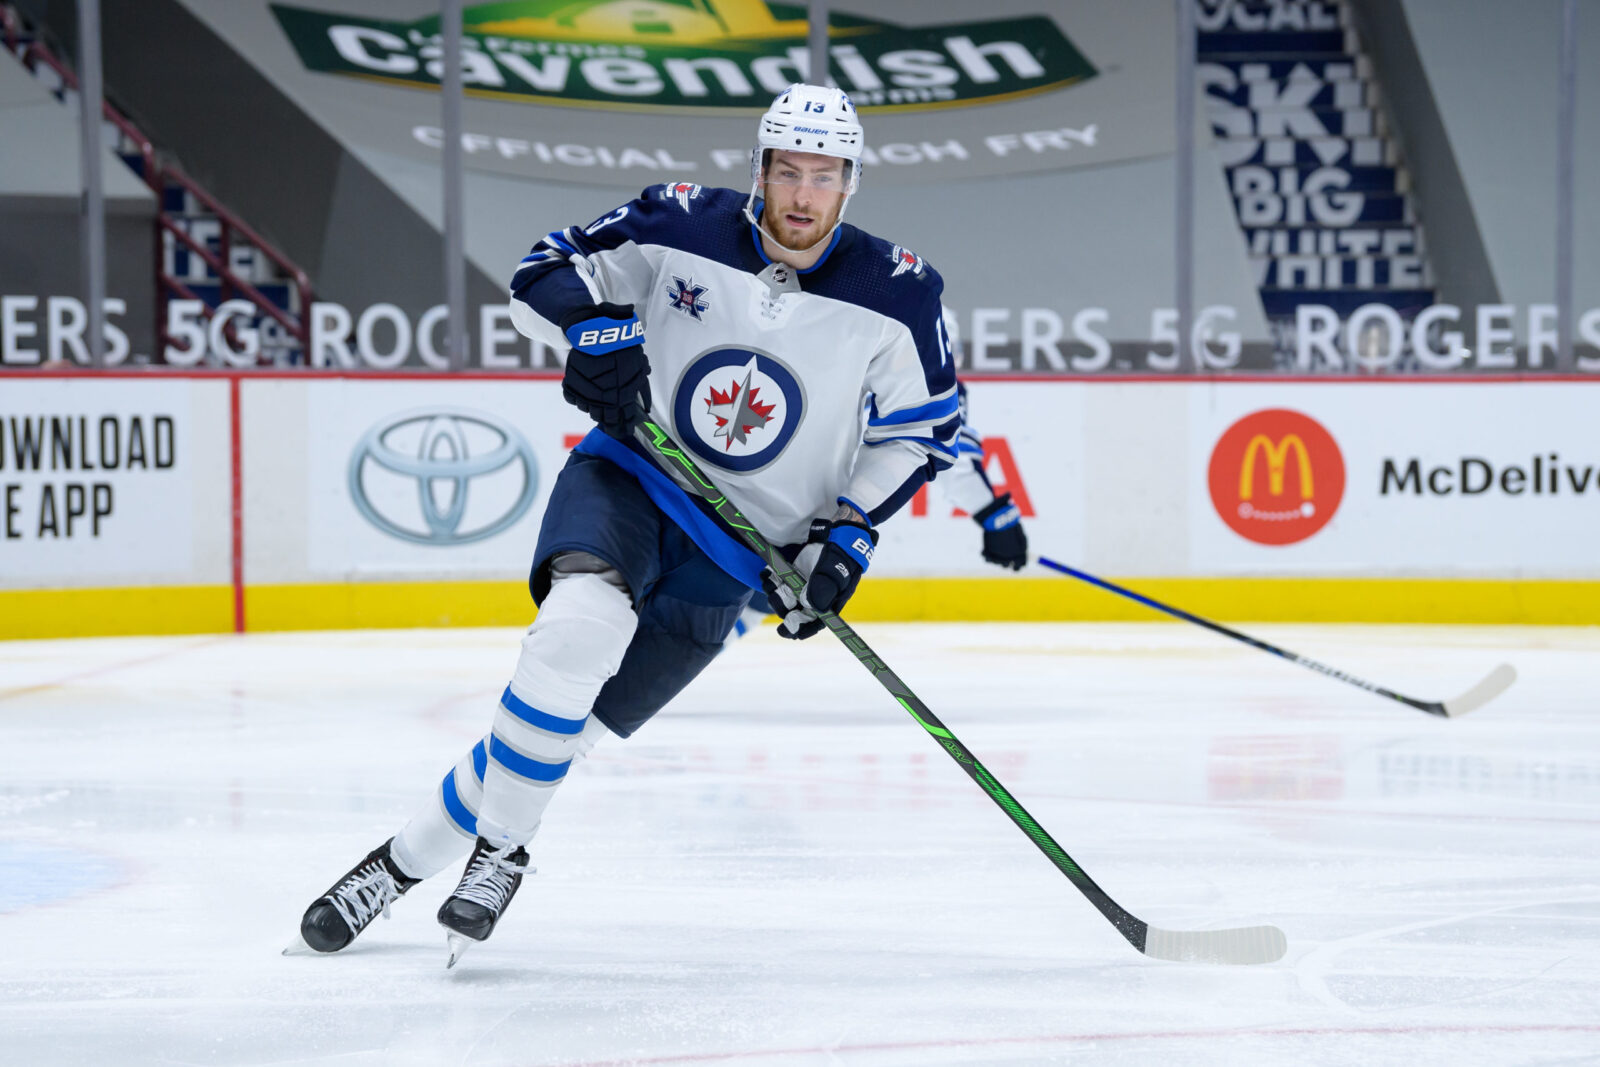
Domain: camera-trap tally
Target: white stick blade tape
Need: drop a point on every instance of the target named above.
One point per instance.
(1247, 944)
(1498, 682)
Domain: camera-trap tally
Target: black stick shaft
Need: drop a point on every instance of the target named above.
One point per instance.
(688, 474)
(1432, 708)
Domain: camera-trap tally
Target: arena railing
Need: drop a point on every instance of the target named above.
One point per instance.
(31, 50)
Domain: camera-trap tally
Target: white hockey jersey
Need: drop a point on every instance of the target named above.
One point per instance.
(795, 390)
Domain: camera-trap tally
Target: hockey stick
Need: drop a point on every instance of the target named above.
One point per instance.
(1252, 944)
(1497, 681)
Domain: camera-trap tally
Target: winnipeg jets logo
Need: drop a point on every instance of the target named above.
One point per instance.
(684, 295)
(904, 261)
(682, 192)
(738, 411)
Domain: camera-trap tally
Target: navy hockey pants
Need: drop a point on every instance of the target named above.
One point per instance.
(685, 602)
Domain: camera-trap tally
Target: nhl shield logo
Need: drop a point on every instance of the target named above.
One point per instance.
(905, 262)
(682, 192)
(737, 409)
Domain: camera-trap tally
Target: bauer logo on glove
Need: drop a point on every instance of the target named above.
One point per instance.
(610, 335)
(607, 374)
(834, 557)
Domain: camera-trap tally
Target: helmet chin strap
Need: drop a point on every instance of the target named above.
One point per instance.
(750, 214)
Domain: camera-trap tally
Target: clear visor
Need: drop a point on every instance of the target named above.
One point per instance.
(829, 183)
(832, 180)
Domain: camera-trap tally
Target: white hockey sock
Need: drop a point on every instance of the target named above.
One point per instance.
(575, 645)
(443, 830)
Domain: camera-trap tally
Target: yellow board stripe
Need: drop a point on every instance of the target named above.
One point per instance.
(167, 609)
(388, 605)
(1374, 600)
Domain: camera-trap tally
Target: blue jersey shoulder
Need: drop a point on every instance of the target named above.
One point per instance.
(692, 218)
(692, 199)
(679, 215)
(897, 283)
(887, 278)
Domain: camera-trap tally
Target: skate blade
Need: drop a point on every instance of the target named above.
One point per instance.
(299, 948)
(458, 948)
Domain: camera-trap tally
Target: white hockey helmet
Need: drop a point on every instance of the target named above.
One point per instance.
(808, 118)
(811, 118)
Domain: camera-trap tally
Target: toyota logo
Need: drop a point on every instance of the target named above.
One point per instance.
(443, 476)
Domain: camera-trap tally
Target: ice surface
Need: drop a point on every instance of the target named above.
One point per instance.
(783, 869)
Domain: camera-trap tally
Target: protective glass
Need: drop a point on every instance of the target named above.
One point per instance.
(823, 181)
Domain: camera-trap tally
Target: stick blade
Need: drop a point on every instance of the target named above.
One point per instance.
(1243, 945)
(1497, 682)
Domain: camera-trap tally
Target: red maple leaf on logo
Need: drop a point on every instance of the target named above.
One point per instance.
(744, 414)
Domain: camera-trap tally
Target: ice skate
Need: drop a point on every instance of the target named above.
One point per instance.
(491, 879)
(337, 917)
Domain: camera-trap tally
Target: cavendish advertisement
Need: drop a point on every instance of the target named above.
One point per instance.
(651, 55)
(576, 90)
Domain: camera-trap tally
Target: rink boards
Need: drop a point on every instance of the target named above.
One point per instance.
(208, 502)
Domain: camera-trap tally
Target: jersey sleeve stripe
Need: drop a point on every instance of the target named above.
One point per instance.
(527, 271)
(932, 444)
(551, 287)
(933, 411)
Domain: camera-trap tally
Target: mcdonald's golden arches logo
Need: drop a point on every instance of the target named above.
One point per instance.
(1276, 476)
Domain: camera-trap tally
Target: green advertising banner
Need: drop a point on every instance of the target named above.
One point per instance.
(693, 55)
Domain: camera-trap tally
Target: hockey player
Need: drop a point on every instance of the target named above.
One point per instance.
(801, 360)
(966, 486)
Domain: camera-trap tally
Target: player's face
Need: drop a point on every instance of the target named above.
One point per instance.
(804, 194)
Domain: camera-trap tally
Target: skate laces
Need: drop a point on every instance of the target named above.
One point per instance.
(490, 879)
(361, 897)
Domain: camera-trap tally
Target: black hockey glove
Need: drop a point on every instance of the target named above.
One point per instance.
(608, 374)
(835, 556)
(1003, 540)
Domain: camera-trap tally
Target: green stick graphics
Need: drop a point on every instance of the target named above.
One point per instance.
(1252, 944)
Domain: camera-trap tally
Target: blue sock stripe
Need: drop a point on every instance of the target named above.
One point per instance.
(458, 812)
(543, 720)
(480, 760)
(518, 764)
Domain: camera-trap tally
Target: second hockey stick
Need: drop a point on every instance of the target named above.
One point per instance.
(1251, 944)
(1495, 683)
